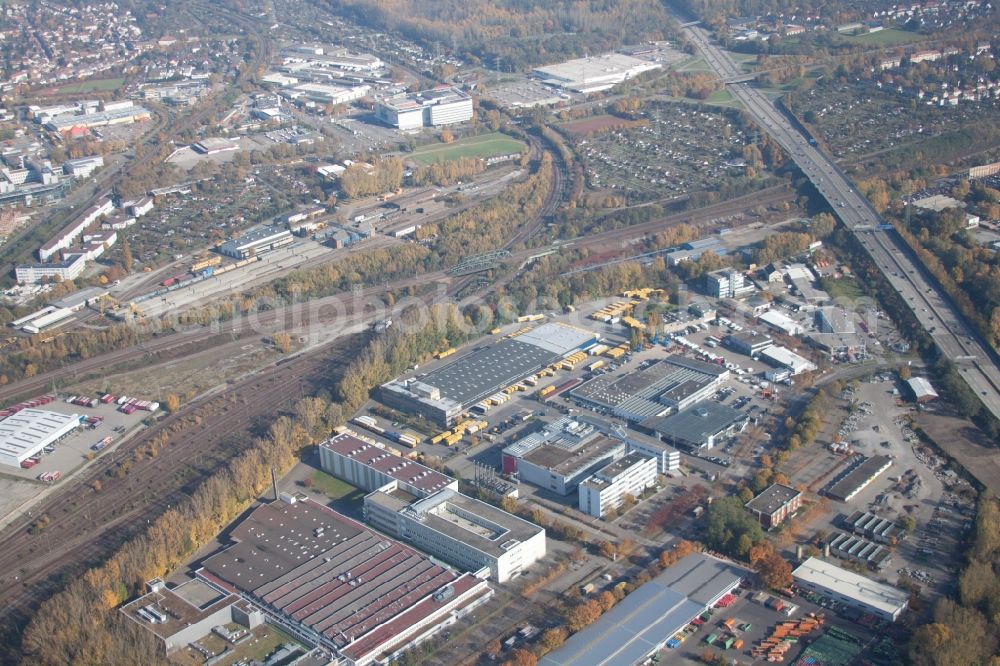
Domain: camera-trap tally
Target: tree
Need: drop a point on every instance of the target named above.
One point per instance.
(172, 403)
(774, 571)
(553, 638)
(905, 373)
(609, 550)
(283, 342)
(727, 520)
(127, 260)
(522, 657)
(447, 136)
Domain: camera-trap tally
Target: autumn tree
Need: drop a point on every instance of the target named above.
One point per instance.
(172, 403)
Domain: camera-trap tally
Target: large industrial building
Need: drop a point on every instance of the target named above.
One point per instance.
(334, 583)
(697, 427)
(370, 466)
(560, 455)
(430, 108)
(27, 432)
(606, 490)
(595, 73)
(123, 116)
(671, 384)
(857, 477)
(851, 589)
(458, 529)
(641, 624)
(444, 393)
(256, 241)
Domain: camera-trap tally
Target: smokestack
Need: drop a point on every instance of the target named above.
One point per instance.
(274, 483)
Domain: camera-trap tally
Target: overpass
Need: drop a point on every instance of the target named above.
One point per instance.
(953, 335)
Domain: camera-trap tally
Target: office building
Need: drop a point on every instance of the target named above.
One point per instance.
(458, 529)
(727, 283)
(774, 504)
(609, 486)
(67, 269)
(431, 108)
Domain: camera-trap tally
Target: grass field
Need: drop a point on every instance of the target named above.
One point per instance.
(484, 145)
(332, 487)
(94, 85)
(887, 37)
(845, 288)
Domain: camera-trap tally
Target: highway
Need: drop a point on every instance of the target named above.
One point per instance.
(954, 337)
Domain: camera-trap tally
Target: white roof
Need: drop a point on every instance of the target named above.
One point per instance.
(779, 320)
(787, 357)
(852, 586)
(29, 430)
(921, 387)
(557, 338)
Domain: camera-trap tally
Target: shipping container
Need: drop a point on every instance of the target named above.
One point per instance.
(106, 398)
(29, 463)
(445, 353)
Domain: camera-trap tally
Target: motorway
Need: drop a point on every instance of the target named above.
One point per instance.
(952, 334)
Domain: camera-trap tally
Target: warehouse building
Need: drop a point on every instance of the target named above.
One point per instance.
(782, 323)
(748, 343)
(444, 393)
(774, 504)
(458, 529)
(697, 427)
(27, 432)
(430, 108)
(851, 589)
(921, 390)
(257, 241)
(782, 357)
(370, 466)
(594, 73)
(327, 93)
(607, 488)
(214, 146)
(671, 384)
(640, 625)
(876, 528)
(334, 583)
(858, 476)
(856, 549)
(124, 116)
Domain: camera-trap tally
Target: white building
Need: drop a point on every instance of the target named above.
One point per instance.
(727, 283)
(57, 270)
(67, 235)
(782, 323)
(28, 431)
(140, 207)
(606, 489)
(782, 357)
(668, 459)
(83, 166)
(847, 587)
(595, 73)
(370, 466)
(327, 93)
(430, 108)
(256, 241)
(458, 529)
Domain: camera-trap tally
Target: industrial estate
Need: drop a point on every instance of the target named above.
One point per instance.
(576, 334)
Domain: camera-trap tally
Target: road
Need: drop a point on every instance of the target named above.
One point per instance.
(952, 334)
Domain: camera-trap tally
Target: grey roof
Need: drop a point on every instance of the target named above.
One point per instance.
(773, 498)
(858, 477)
(650, 615)
(696, 423)
(675, 376)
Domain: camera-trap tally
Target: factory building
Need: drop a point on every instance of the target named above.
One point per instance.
(332, 582)
(697, 427)
(774, 504)
(782, 357)
(430, 108)
(560, 455)
(782, 323)
(123, 116)
(671, 384)
(25, 433)
(607, 488)
(257, 241)
(444, 393)
(327, 93)
(458, 529)
(215, 145)
(640, 625)
(854, 590)
(594, 73)
(370, 467)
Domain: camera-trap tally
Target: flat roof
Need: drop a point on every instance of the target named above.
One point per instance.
(254, 236)
(565, 461)
(773, 498)
(493, 531)
(615, 469)
(674, 377)
(28, 430)
(485, 371)
(650, 615)
(187, 604)
(599, 67)
(325, 571)
(388, 463)
(696, 423)
(785, 356)
(858, 477)
(850, 585)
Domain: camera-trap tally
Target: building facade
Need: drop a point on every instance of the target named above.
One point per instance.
(430, 108)
(607, 488)
(775, 504)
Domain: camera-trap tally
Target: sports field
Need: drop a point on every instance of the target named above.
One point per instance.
(484, 145)
(94, 85)
(887, 37)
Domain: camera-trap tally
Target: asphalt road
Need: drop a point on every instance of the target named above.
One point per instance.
(955, 338)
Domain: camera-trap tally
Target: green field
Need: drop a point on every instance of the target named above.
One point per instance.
(887, 37)
(333, 487)
(484, 145)
(94, 85)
